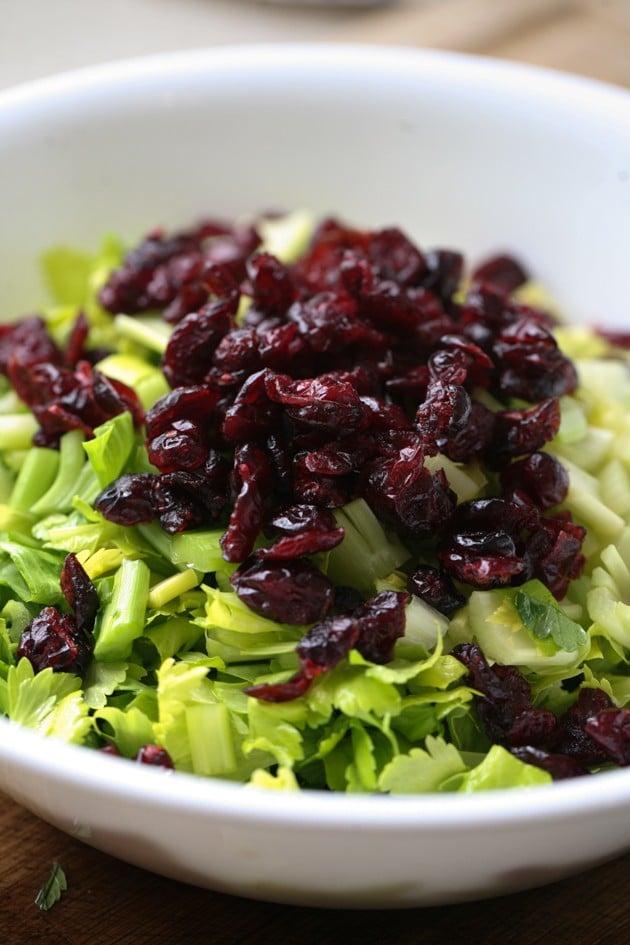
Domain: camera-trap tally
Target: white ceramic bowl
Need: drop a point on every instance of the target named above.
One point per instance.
(461, 152)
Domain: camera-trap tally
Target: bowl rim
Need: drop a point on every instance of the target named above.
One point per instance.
(552, 83)
(78, 767)
(29, 753)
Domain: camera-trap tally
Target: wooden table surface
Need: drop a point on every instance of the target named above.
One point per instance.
(111, 903)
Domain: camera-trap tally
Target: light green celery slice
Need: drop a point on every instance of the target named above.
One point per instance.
(149, 331)
(58, 498)
(573, 422)
(287, 237)
(123, 618)
(172, 587)
(424, 625)
(614, 482)
(38, 569)
(275, 728)
(129, 729)
(145, 379)
(111, 447)
(500, 769)
(492, 620)
(198, 549)
(282, 780)
(37, 701)
(36, 476)
(589, 452)
(587, 507)
(211, 739)
(617, 568)
(7, 482)
(467, 481)
(366, 553)
(17, 431)
(67, 271)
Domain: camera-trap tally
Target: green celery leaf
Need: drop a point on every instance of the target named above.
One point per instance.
(52, 890)
(500, 769)
(544, 618)
(422, 770)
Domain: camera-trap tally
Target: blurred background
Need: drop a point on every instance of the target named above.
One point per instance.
(587, 37)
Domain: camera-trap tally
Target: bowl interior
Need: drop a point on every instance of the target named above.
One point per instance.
(461, 152)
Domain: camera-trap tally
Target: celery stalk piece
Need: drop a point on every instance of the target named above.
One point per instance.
(123, 619)
(146, 379)
(35, 478)
(287, 237)
(17, 431)
(58, 498)
(210, 739)
(198, 549)
(111, 447)
(149, 331)
(7, 482)
(366, 552)
(172, 587)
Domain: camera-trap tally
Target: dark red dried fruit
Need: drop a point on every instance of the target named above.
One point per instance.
(573, 736)
(405, 495)
(540, 475)
(505, 706)
(610, 728)
(128, 500)
(251, 482)
(53, 640)
(294, 592)
(436, 588)
(79, 592)
(27, 342)
(518, 432)
(373, 628)
(501, 273)
(558, 766)
(154, 755)
(381, 622)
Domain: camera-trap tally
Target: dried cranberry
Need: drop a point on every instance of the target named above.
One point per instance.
(128, 500)
(558, 766)
(505, 706)
(540, 475)
(271, 284)
(405, 495)
(53, 640)
(79, 592)
(517, 432)
(294, 592)
(27, 342)
(251, 483)
(381, 622)
(192, 344)
(574, 737)
(502, 273)
(154, 755)
(610, 728)
(436, 588)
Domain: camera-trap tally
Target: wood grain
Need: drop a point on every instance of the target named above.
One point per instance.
(111, 903)
(587, 37)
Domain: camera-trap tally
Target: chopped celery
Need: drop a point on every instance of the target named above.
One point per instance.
(35, 478)
(366, 552)
(123, 618)
(17, 431)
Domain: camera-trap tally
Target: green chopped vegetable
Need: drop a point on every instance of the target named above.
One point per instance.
(176, 647)
(52, 890)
